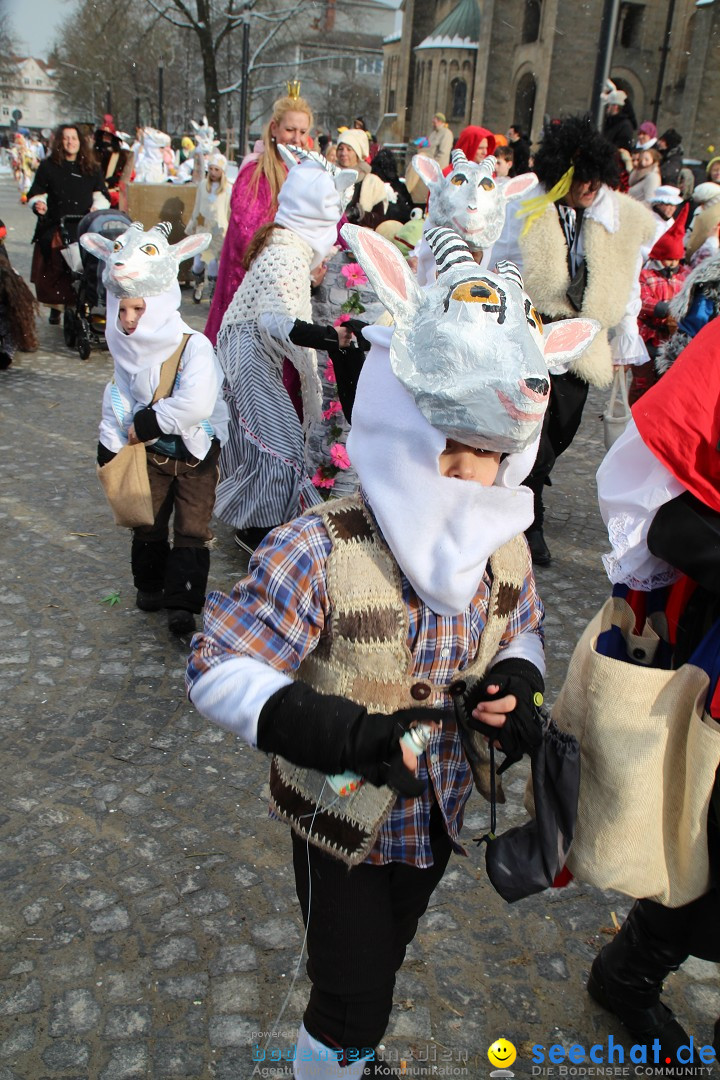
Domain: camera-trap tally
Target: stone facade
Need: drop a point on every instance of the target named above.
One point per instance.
(537, 57)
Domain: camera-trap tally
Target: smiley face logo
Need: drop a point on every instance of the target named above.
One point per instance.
(501, 1054)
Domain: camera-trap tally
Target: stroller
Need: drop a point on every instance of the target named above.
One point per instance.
(84, 328)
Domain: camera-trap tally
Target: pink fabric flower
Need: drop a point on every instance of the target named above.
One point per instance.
(329, 372)
(321, 481)
(354, 276)
(332, 410)
(338, 456)
(341, 319)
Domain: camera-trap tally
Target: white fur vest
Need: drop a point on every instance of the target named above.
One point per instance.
(611, 259)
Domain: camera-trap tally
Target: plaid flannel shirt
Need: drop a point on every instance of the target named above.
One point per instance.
(278, 613)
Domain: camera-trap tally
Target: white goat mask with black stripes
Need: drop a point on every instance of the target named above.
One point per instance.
(470, 348)
(142, 264)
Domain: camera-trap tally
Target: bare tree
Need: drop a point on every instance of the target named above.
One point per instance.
(99, 63)
(8, 43)
(212, 22)
(200, 44)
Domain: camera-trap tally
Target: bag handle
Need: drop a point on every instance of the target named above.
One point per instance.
(169, 370)
(619, 392)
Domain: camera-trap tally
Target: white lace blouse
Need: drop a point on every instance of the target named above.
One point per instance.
(632, 486)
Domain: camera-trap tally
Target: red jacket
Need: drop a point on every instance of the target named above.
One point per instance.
(657, 285)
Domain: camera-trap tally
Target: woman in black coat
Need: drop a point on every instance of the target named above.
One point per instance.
(66, 183)
(385, 166)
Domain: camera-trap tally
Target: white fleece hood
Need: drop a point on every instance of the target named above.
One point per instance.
(441, 530)
(157, 334)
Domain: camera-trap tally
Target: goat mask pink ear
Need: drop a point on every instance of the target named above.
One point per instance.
(427, 169)
(387, 272)
(190, 246)
(564, 341)
(97, 245)
(517, 186)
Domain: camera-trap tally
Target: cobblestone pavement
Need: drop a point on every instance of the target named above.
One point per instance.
(148, 925)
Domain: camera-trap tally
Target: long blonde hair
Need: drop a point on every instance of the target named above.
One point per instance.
(269, 164)
(222, 183)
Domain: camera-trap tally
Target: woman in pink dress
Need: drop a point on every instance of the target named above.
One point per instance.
(254, 199)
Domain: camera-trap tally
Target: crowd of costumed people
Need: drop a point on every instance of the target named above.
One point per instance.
(392, 365)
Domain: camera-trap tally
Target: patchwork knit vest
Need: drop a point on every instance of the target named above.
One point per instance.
(612, 267)
(364, 656)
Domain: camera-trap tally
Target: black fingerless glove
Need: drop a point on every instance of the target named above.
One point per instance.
(356, 326)
(332, 734)
(522, 730)
(314, 336)
(104, 455)
(146, 424)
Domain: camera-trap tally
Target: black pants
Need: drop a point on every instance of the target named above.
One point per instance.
(693, 929)
(568, 395)
(187, 490)
(362, 920)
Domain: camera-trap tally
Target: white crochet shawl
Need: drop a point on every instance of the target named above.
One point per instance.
(278, 282)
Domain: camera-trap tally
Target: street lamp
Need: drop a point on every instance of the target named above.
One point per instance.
(244, 66)
(664, 50)
(604, 58)
(161, 117)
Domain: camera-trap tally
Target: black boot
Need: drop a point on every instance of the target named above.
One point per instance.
(148, 559)
(180, 621)
(538, 548)
(249, 539)
(186, 577)
(199, 284)
(626, 978)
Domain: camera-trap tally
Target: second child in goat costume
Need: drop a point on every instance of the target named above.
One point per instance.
(183, 431)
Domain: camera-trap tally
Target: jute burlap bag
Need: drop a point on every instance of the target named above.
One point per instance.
(648, 759)
(126, 484)
(125, 480)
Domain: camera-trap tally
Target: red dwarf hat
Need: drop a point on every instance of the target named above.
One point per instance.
(678, 417)
(470, 138)
(671, 244)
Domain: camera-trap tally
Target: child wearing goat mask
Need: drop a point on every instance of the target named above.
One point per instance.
(182, 425)
(359, 621)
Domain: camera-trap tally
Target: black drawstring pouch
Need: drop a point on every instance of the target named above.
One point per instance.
(527, 858)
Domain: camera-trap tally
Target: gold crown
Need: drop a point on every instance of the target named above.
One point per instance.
(293, 89)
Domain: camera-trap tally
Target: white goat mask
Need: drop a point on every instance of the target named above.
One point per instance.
(469, 200)
(471, 348)
(205, 140)
(343, 179)
(139, 263)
